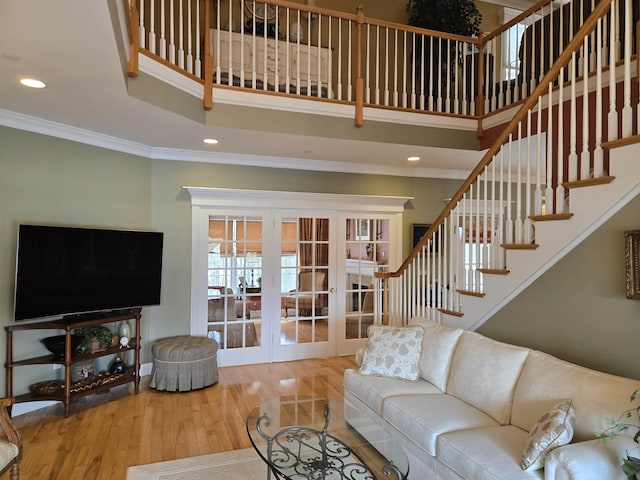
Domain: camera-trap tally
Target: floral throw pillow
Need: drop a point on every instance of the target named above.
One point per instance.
(393, 352)
(554, 429)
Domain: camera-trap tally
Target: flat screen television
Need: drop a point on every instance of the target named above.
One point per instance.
(69, 271)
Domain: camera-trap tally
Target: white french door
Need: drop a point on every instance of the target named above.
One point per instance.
(307, 281)
(275, 283)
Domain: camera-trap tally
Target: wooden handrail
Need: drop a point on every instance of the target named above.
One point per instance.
(587, 27)
(514, 21)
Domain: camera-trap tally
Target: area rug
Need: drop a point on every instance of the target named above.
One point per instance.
(237, 464)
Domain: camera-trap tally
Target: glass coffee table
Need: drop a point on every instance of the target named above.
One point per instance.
(302, 437)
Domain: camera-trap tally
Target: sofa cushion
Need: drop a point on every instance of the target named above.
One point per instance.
(596, 396)
(553, 429)
(422, 418)
(393, 352)
(486, 453)
(438, 344)
(484, 374)
(374, 390)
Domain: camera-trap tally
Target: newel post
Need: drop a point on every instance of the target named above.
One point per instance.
(359, 119)
(207, 98)
(133, 32)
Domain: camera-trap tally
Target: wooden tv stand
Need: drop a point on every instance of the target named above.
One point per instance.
(69, 390)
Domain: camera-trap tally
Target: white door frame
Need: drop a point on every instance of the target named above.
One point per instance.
(204, 199)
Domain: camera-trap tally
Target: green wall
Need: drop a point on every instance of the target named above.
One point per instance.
(577, 310)
(53, 181)
(45, 180)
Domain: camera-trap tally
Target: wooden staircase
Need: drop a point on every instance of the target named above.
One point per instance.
(541, 188)
(556, 235)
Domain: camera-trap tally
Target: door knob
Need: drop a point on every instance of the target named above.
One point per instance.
(331, 290)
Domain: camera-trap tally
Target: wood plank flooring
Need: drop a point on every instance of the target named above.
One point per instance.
(106, 433)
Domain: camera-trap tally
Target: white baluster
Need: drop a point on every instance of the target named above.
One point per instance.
(404, 71)
(163, 40)
(172, 30)
(386, 68)
(456, 107)
(142, 33)
(181, 36)
(528, 234)
(598, 156)
(152, 27)
(189, 39)
(431, 91)
(198, 60)
(627, 112)
(501, 220)
(549, 167)
(538, 191)
(573, 142)
(560, 158)
(518, 225)
(395, 70)
(349, 63)
(612, 130)
(367, 89)
(585, 157)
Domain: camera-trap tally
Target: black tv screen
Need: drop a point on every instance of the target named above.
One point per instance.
(66, 270)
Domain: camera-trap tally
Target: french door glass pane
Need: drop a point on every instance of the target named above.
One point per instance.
(367, 252)
(234, 280)
(304, 273)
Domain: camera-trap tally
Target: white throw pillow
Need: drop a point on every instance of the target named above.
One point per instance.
(393, 352)
(552, 430)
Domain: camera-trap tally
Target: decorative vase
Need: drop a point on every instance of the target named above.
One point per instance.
(124, 330)
(118, 366)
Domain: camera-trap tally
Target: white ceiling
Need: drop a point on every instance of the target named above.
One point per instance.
(71, 45)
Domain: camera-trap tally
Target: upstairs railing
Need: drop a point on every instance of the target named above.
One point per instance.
(293, 49)
(525, 174)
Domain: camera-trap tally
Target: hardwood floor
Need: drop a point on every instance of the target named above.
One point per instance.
(106, 433)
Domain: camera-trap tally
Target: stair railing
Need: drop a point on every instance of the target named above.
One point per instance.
(518, 181)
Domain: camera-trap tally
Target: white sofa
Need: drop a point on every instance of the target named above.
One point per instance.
(469, 414)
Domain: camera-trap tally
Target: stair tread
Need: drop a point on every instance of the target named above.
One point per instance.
(451, 312)
(519, 246)
(494, 271)
(551, 216)
(470, 293)
(589, 182)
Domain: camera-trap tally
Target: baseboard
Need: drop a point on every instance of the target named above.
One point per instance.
(26, 407)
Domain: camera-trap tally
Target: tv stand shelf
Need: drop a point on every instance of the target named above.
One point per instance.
(97, 383)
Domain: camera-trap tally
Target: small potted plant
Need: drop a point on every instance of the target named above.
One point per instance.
(96, 338)
(629, 419)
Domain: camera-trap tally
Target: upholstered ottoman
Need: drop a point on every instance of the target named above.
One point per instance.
(184, 363)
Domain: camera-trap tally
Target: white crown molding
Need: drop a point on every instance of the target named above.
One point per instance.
(75, 134)
(66, 132)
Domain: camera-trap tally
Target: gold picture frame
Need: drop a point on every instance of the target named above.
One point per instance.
(632, 260)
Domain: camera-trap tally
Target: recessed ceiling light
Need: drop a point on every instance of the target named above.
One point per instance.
(413, 159)
(210, 141)
(32, 82)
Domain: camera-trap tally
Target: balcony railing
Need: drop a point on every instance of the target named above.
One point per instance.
(292, 49)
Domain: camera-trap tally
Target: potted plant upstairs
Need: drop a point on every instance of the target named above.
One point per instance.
(460, 17)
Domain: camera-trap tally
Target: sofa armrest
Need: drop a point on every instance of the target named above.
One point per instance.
(590, 460)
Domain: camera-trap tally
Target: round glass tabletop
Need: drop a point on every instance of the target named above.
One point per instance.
(303, 437)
